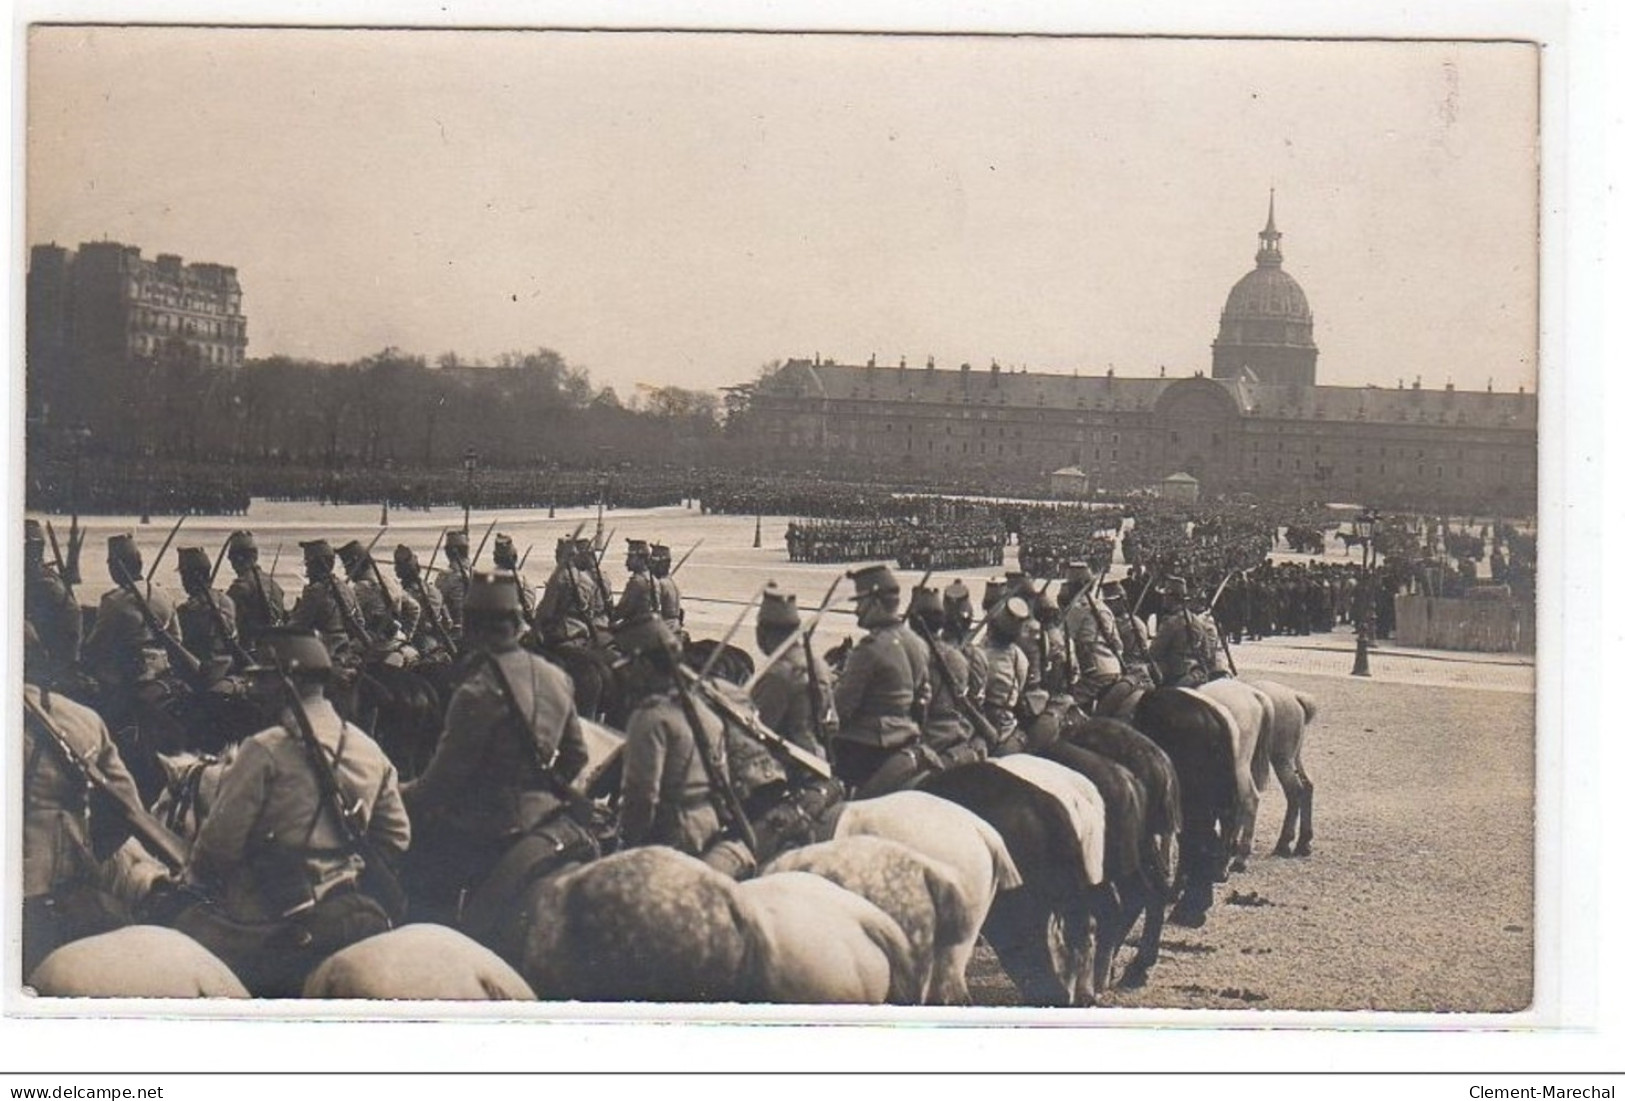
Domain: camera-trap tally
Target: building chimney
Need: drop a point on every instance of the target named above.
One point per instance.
(930, 363)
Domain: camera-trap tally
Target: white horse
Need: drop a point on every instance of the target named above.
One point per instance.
(1293, 712)
(824, 945)
(418, 963)
(138, 961)
(1253, 713)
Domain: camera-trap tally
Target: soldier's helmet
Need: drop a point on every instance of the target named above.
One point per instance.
(406, 559)
(192, 563)
(874, 581)
(33, 532)
(240, 543)
(637, 548)
(993, 593)
(956, 600)
(643, 635)
(1005, 621)
(928, 606)
(354, 557)
(457, 539)
(1175, 587)
(492, 597)
(125, 555)
(299, 653)
(1081, 572)
(778, 610)
(503, 552)
(659, 559)
(564, 549)
(318, 551)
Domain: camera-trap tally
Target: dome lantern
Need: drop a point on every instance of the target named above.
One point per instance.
(1267, 325)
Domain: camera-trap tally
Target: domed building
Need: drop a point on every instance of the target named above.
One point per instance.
(1267, 327)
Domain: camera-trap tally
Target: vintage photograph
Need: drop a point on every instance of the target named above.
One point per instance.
(992, 521)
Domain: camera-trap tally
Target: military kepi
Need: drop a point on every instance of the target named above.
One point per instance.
(192, 560)
(643, 634)
(492, 594)
(873, 581)
(778, 609)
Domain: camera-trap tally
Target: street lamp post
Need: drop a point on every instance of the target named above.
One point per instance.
(471, 459)
(389, 475)
(1365, 526)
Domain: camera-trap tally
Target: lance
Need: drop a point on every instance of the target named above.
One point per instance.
(479, 550)
(716, 653)
(164, 550)
(781, 648)
(673, 571)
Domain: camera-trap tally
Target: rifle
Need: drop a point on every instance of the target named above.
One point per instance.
(544, 769)
(439, 539)
(275, 558)
(239, 656)
(76, 543)
(523, 558)
(61, 567)
(152, 833)
(192, 670)
(723, 796)
(382, 886)
(1211, 604)
(272, 616)
(673, 571)
(179, 520)
(375, 539)
(781, 648)
(219, 558)
(716, 653)
(959, 692)
(729, 711)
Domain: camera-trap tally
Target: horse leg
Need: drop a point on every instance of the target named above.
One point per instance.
(1292, 786)
(1241, 846)
(1112, 921)
(1306, 828)
(1147, 898)
(1198, 861)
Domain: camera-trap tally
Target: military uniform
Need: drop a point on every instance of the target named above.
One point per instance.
(1097, 647)
(1181, 650)
(60, 860)
(329, 608)
(258, 601)
(49, 604)
(424, 623)
(281, 867)
(453, 580)
(572, 607)
(665, 791)
(881, 692)
(1009, 675)
(783, 698)
(667, 596)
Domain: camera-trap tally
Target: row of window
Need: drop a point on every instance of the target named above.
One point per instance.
(217, 354)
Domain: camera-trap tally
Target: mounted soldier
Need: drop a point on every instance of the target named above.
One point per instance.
(289, 878)
(64, 843)
(957, 620)
(49, 604)
(1095, 646)
(327, 606)
(208, 617)
(1181, 650)
(453, 580)
(506, 557)
(1009, 672)
(675, 773)
(382, 614)
(125, 654)
(667, 594)
(425, 625)
(638, 597)
(882, 691)
(572, 608)
(947, 728)
(795, 695)
(500, 774)
(256, 597)
(1131, 629)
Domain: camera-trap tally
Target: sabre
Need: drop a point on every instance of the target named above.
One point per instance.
(727, 638)
(673, 571)
(781, 648)
(164, 550)
(479, 550)
(219, 558)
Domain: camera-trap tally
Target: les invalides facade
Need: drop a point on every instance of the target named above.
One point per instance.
(1257, 423)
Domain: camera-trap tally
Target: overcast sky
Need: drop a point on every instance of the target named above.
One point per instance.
(679, 209)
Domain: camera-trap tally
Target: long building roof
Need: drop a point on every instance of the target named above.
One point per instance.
(807, 379)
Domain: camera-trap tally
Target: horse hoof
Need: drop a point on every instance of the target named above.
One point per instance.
(1302, 850)
(1133, 978)
(1283, 849)
(1238, 865)
(1188, 919)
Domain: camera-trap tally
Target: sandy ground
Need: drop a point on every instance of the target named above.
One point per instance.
(1419, 895)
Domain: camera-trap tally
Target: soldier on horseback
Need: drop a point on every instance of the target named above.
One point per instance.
(667, 595)
(284, 881)
(795, 694)
(257, 598)
(49, 604)
(511, 746)
(208, 617)
(572, 608)
(1131, 629)
(1181, 651)
(327, 606)
(638, 597)
(425, 623)
(506, 557)
(882, 691)
(1009, 672)
(453, 580)
(947, 729)
(1096, 648)
(382, 614)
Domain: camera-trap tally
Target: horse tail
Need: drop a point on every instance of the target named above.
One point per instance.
(1307, 702)
(1266, 739)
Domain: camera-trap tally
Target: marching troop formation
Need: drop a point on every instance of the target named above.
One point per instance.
(283, 783)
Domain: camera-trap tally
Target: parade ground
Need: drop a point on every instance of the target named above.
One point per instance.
(1420, 893)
